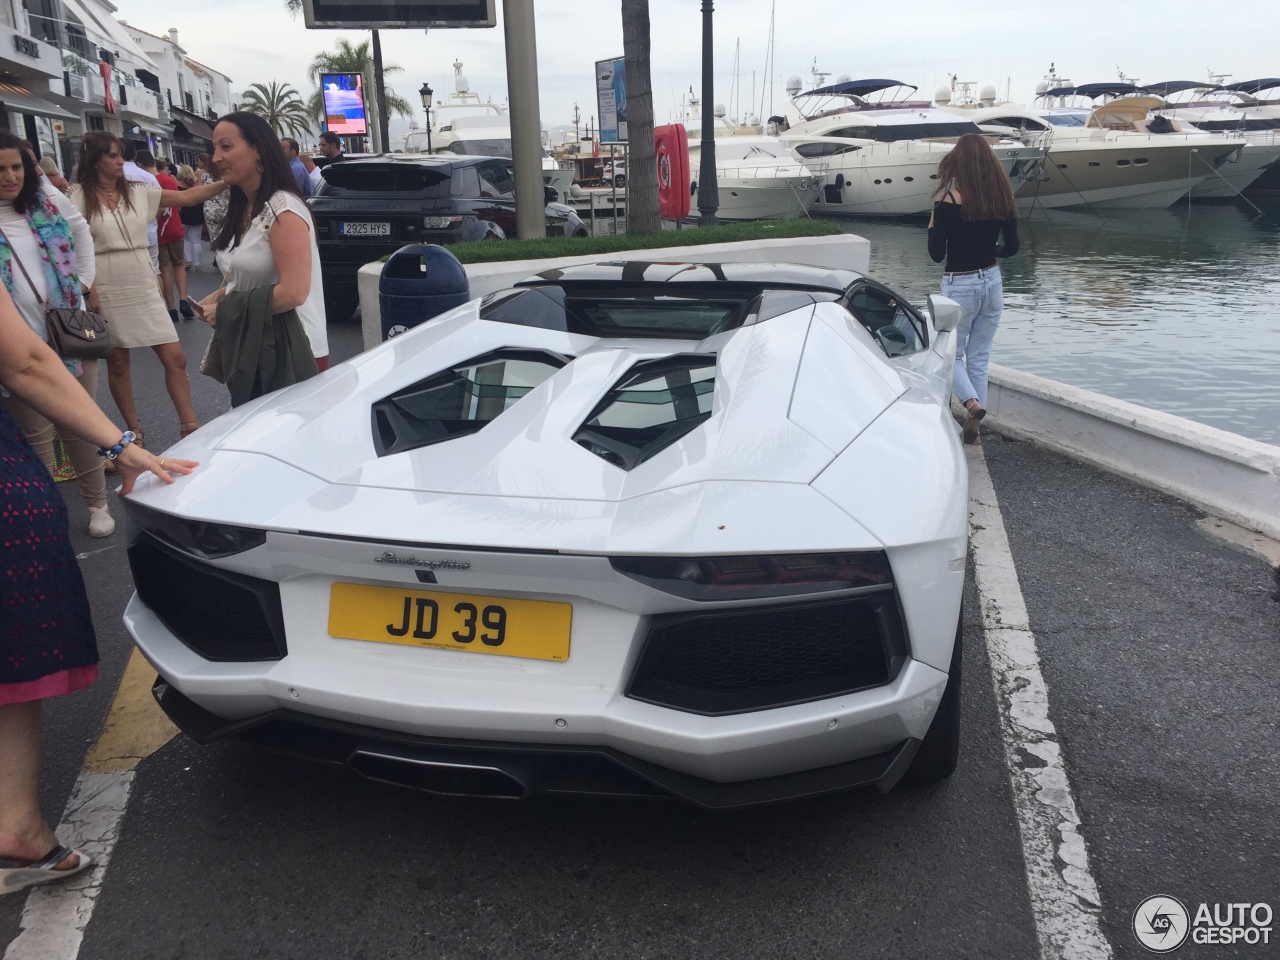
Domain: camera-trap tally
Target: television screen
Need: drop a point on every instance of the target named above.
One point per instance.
(344, 112)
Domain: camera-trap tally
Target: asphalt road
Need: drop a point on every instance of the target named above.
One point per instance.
(1159, 649)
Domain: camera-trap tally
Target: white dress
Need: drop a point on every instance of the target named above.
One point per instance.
(250, 264)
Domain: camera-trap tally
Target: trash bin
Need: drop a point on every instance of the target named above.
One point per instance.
(418, 282)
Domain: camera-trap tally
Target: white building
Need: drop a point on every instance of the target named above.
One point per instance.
(193, 94)
(69, 66)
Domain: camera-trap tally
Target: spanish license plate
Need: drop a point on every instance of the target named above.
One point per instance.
(536, 629)
(346, 229)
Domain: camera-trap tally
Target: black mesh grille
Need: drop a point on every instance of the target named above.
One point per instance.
(220, 615)
(770, 656)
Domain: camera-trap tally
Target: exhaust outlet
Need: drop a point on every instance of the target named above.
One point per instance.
(442, 777)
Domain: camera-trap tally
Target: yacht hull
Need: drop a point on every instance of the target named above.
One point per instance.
(882, 180)
(1237, 172)
(1138, 174)
(764, 198)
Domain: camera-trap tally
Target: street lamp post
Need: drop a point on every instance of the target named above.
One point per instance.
(708, 191)
(425, 92)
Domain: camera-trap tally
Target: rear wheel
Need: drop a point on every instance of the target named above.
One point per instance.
(620, 180)
(939, 753)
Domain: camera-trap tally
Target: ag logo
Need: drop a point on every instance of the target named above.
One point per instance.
(1161, 924)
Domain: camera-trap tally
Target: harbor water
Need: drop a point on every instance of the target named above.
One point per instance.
(1177, 309)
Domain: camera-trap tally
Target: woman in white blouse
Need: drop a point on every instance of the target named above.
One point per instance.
(268, 238)
(33, 218)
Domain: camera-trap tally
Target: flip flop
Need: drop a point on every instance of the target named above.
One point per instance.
(13, 879)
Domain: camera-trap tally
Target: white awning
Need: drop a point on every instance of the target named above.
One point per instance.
(112, 31)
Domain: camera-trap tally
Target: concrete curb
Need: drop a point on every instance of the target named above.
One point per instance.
(1230, 476)
(845, 251)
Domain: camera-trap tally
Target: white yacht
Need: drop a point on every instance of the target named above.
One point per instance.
(465, 124)
(757, 178)
(1098, 156)
(881, 148)
(1207, 107)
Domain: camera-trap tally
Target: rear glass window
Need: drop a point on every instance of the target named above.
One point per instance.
(650, 408)
(695, 312)
(458, 401)
(342, 178)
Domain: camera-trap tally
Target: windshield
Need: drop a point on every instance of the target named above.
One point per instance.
(1067, 119)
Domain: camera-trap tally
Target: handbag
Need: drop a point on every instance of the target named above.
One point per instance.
(74, 333)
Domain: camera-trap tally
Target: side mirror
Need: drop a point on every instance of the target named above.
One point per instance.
(550, 194)
(946, 313)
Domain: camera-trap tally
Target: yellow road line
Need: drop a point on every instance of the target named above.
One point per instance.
(136, 727)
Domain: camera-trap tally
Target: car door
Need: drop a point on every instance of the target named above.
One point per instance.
(497, 194)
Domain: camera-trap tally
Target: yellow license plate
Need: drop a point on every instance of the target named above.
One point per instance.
(505, 626)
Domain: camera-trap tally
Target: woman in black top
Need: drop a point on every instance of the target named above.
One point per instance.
(973, 209)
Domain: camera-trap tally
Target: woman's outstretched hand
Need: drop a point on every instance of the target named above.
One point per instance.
(134, 461)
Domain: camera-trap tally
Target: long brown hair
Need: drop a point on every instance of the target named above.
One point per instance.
(206, 162)
(96, 145)
(972, 168)
(276, 176)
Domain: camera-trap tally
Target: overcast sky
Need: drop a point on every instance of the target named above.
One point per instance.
(920, 42)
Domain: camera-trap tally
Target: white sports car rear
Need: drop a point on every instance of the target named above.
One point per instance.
(623, 529)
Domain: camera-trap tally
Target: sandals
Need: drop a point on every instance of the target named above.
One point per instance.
(13, 879)
(187, 427)
(977, 411)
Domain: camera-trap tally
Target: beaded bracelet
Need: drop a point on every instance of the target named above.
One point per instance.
(113, 452)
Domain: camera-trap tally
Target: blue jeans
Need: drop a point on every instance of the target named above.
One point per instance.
(981, 296)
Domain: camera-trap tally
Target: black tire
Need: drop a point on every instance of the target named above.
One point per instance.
(340, 301)
(620, 180)
(940, 751)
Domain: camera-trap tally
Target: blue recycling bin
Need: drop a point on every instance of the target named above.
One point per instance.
(418, 282)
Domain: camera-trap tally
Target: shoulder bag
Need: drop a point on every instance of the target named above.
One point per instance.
(74, 333)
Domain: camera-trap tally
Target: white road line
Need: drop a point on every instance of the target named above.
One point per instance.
(1064, 896)
(55, 916)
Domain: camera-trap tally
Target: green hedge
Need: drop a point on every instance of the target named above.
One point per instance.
(490, 251)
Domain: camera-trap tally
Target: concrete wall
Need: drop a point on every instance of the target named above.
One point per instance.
(845, 252)
(1223, 473)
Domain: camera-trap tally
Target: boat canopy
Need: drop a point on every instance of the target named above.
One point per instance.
(1094, 90)
(1254, 86)
(1170, 87)
(857, 88)
(1124, 113)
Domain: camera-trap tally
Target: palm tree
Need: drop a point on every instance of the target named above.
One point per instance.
(643, 214)
(280, 105)
(353, 58)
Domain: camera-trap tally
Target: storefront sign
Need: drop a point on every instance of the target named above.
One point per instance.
(26, 46)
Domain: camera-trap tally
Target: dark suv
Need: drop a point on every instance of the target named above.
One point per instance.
(367, 208)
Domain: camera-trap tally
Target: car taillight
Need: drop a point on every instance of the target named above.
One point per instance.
(440, 223)
(745, 577)
(199, 538)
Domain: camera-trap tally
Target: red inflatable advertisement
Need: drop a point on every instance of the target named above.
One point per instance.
(672, 145)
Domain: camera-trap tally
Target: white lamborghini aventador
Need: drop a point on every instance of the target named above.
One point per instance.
(630, 528)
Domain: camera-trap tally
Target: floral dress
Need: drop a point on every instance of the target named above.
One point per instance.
(47, 643)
